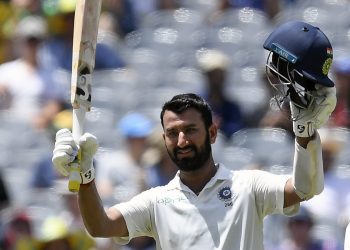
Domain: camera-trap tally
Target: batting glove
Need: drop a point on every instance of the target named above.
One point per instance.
(305, 121)
(66, 150)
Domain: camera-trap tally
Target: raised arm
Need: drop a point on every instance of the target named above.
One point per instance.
(308, 178)
(306, 171)
(98, 221)
(299, 60)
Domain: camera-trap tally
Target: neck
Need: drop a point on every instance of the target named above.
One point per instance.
(196, 180)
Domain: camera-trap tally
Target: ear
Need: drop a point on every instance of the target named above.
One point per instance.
(213, 132)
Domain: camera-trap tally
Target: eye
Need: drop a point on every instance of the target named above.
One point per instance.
(191, 130)
(171, 134)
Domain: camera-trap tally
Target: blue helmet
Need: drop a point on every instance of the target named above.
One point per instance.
(301, 56)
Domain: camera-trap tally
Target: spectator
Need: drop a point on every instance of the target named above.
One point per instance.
(341, 114)
(123, 15)
(227, 113)
(26, 7)
(6, 22)
(44, 176)
(161, 168)
(5, 198)
(145, 7)
(27, 88)
(336, 187)
(275, 113)
(271, 8)
(5, 201)
(123, 169)
(70, 214)
(57, 51)
(18, 233)
(300, 233)
(55, 235)
(168, 4)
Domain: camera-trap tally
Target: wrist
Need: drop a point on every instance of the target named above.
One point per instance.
(304, 141)
(88, 176)
(303, 129)
(87, 184)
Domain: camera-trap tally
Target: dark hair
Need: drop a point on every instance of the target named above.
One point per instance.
(182, 102)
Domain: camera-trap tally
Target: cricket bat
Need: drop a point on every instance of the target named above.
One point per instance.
(86, 20)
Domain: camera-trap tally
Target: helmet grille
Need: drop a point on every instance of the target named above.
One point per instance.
(288, 81)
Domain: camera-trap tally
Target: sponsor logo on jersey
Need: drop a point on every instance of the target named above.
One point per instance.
(171, 200)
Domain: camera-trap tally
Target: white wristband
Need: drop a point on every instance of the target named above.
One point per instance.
(88, 176)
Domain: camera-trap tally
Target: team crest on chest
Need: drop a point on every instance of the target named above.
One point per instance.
(225, 194)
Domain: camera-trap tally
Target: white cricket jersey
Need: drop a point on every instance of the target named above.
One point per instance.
(227, 215)
(347, 238)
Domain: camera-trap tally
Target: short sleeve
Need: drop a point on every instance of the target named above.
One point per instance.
(138, 214)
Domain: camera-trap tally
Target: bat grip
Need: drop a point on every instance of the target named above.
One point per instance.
(77, 130)
(74, 177)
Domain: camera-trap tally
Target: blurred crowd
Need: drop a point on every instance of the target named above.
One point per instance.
(147, 51)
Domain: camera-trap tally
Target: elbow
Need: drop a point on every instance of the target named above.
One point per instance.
(307, 192)
(92, 232)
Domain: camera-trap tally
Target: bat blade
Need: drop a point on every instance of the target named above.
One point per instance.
(86, 20)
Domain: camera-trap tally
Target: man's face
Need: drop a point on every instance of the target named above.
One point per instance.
(186, 139)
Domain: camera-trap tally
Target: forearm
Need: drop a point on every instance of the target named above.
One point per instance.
(307, 178)
(92, 210)
(98, 222)
(308, 167)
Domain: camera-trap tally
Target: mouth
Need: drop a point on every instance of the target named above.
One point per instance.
(184, 152)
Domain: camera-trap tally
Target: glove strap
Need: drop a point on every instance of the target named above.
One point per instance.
(303, 130)
(88, 176)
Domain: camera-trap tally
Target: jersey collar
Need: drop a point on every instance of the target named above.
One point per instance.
(221, 174)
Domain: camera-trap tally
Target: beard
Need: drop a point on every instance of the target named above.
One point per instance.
(188, 164)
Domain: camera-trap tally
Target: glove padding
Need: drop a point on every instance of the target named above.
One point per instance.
(305, 121)
(66, 150)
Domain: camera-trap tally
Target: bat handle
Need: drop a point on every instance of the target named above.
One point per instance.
(74, 174)
(74, 178)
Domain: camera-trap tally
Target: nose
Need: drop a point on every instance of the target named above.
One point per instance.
(182, 141)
